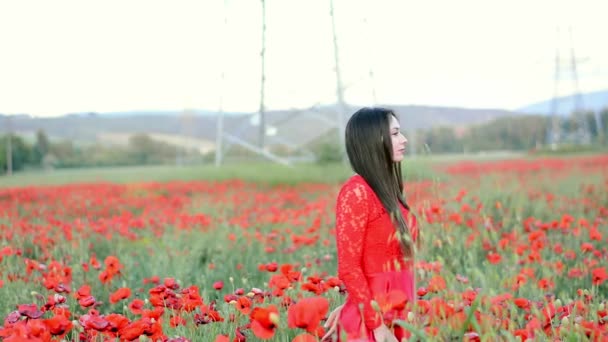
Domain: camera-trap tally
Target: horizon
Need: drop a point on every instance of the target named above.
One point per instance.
(204, 111)
(207, 111)
(65, 58)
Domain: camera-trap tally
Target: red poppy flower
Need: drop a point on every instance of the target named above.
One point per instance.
(136, 306)
(599, 275)
(264, 321)
(243, 304)
(120, 294)
(58, 325)
(307, 313)
(304, 338)
(494, 258)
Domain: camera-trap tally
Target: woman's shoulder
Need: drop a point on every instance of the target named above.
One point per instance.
(357, 186)
(355, 181)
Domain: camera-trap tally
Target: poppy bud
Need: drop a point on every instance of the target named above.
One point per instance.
(375, 306)
(274, 318)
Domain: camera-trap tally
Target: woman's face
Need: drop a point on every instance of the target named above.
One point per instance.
(398, 140)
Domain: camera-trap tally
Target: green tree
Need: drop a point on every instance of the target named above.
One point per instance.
(145, 150)
(21, 153)
(67, 154)
(42, 147)
(441, 139)
(328, 152)
(142, 148)
(508, 133)
(603, 118)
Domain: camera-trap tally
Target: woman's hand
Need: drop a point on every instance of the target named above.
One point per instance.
(384, 334)
(332, 323)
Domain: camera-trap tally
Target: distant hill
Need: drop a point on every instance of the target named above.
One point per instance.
(594, 101)
(289, 128)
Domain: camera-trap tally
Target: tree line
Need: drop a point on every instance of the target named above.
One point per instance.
(141, 149)
(515, 133)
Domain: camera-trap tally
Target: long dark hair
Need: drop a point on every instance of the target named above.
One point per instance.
(369, 149)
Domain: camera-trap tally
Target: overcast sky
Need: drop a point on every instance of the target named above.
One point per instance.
(66, 56)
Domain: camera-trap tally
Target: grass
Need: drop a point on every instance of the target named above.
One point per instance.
(458, 239)
(414, 168)
(266, 173)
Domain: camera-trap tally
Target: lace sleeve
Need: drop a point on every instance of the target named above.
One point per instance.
(352, 211)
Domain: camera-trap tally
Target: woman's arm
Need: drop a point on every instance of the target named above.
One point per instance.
(352, 212)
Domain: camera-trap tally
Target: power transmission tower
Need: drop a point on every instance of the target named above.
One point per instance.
(555, 135)
(582, 135)
(225, 140)
(221, 136)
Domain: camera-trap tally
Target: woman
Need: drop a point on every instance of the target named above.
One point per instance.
(375, 232)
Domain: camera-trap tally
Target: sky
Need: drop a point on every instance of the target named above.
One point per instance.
(71, 56)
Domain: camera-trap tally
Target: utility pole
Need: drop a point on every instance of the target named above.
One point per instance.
(339, 88)
(262, 131)
(219, 133)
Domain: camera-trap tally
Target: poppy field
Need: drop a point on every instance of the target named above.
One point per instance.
(512, 250)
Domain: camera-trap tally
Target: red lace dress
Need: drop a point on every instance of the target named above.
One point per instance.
(371, 262)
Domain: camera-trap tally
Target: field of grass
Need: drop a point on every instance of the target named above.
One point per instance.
(266, 173)
(420, 167)
(512, 250)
